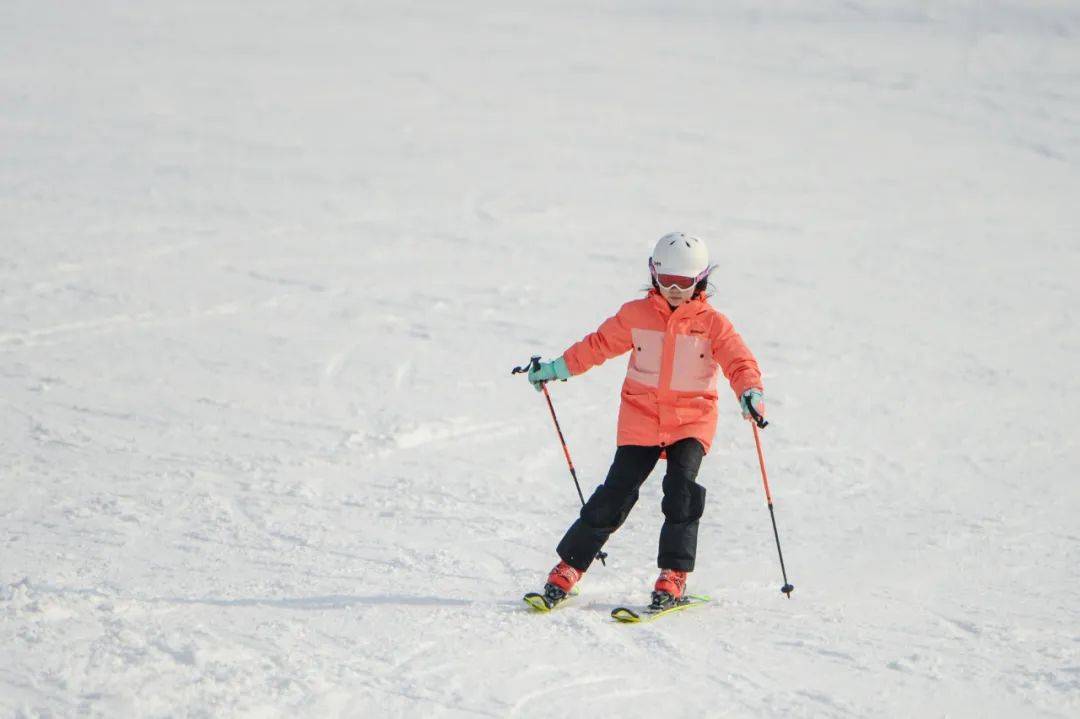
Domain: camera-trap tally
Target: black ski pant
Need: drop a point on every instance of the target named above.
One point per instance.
(610, 504)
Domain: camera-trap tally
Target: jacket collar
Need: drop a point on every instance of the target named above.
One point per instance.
(692, 307)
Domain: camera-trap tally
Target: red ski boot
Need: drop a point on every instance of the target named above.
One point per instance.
(564, 577)
(560, 583)
(669, 588)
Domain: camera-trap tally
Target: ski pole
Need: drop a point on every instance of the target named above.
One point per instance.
(534, 364)
(758, 421)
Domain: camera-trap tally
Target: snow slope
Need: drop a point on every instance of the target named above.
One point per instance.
(265, 267)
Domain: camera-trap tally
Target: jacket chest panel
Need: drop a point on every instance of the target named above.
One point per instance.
(693, 367)
(646, 356)
(673, 354)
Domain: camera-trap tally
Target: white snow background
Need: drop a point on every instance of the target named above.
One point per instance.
(265, 268)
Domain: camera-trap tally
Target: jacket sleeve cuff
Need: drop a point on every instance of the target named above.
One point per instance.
(561, 370)
(742, 387)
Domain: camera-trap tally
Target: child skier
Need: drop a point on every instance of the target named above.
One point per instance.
(677, 345)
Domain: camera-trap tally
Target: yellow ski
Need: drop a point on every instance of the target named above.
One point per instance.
(626, 615)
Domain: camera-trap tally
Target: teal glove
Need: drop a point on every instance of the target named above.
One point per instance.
(549, 371)
(755, 398)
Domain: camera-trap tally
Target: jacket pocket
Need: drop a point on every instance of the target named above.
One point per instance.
(692, 409)
(694, 369)
(643, 403)
(645, 357)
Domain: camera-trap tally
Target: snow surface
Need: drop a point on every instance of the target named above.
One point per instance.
(265, 267)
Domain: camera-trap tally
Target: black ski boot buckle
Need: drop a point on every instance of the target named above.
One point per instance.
(553, 595)
(662, 601)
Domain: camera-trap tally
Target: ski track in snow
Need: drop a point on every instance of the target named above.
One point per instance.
(263, 276)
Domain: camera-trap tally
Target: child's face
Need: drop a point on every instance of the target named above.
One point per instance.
(675, 296)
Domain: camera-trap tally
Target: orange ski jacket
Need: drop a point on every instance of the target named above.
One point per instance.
(670, 390)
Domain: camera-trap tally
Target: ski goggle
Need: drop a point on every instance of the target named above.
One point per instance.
(672, 281)
(682, 282)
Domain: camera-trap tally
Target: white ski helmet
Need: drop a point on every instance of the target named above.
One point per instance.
(678, 253)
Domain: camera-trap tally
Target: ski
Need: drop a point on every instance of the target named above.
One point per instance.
(651, 613)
